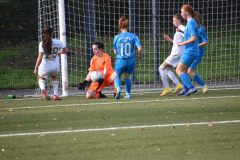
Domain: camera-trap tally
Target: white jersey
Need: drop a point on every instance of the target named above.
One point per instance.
(178, 37)
(53, 57)
(50, 65)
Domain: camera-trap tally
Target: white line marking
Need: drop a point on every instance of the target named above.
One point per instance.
(118, 102)
(117, 128)
(137, 92)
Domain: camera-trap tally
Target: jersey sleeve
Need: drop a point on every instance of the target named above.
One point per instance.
(203, 35)
(192, 28)
(40, 48)
(179, 37)
(61, 44)
(115, 41)
(137, 41)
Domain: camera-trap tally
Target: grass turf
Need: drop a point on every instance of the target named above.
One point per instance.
(218, 141)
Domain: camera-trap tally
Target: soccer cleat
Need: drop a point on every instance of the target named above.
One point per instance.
(205, 89)
(181, 93)
(44, 94)
(190, 91)
(56, 98)
(127, 96)
(165, 91)
(178, 88)
(118, 95)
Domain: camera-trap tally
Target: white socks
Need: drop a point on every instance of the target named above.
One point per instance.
(55, 87)
(164, 77)
(42, 84)
(172, 76)
(165, 73)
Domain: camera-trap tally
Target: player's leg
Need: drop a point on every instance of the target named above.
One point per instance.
(131, 63)
(163, 72)
(191, 71)
(53, 71)
(119, 66)
(92, 92)
(42, 73)
(173, 60)
(181, 70)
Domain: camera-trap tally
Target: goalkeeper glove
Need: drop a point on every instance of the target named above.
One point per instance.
(82, 86)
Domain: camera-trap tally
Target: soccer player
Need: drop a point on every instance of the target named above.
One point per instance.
(203, 41)
(124, 47)
(191, 50)
(173, 59)
(100, 62)
(48, 61)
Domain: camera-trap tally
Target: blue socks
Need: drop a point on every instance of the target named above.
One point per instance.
(186, 81)
(199, 80)
(128, 85)
(117, 83)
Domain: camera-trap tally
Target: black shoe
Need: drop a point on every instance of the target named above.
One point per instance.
(114, 95)
(101, 95)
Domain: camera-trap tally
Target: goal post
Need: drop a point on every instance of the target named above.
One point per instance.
(62, 32)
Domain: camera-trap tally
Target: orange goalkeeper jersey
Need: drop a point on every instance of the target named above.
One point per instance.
(101, 63)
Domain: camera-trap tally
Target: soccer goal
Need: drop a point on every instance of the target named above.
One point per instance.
(81, 22)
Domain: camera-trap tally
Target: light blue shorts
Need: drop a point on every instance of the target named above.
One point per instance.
(125, 65)
(188, 59)
(196, 62)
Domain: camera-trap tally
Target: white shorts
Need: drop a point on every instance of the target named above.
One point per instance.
(172, 60)
(48, 70)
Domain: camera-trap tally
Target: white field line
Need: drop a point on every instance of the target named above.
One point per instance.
(118, 128)
(134, 93)
(120, 102)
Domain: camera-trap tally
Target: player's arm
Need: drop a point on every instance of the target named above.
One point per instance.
(63, 51)
(82, 85)
(139, 51)
(190, 40)
(139, 47)
(203, 44)
(167, 38)
(204, 38)
(39, 60)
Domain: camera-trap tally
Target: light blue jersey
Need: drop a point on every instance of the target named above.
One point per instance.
(202, 38)
(125, 44)
(191, 49)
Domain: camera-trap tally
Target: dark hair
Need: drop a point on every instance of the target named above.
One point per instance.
(179, 17)
(47, 40)
(122, 23)
(192, 12)
(99, 45)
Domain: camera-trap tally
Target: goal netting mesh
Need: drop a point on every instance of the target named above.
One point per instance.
(96, 20)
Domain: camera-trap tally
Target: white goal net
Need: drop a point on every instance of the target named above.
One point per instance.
(96, 20)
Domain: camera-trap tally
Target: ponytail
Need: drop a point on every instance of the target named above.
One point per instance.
(197, 18)
(122, 23)
(47, 40)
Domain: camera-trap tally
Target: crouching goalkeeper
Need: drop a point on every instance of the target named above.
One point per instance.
(100, 62)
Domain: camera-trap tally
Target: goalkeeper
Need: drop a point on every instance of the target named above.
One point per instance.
(100, 62)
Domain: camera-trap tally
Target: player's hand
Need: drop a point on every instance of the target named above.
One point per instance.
(166, 37)
(180, 43)
(35, 71)
(100, 82)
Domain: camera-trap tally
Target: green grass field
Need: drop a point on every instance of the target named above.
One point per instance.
(200, 126)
